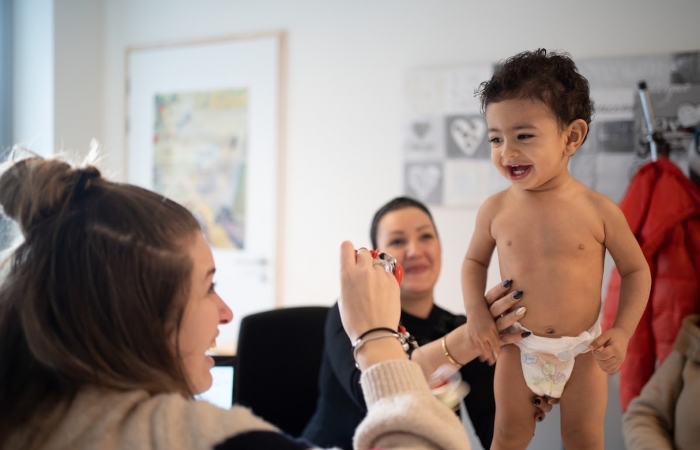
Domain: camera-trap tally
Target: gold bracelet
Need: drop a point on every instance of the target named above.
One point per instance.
(447, 352)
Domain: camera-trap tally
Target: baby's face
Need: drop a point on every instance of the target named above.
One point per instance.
(528, 146)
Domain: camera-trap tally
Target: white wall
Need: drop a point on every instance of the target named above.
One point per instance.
(58, 74)
(78, 73)
(347, 61)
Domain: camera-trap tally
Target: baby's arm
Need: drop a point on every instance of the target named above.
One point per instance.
(610, 348)
(482, 330)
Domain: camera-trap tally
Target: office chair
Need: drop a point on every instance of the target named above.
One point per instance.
(278, 361)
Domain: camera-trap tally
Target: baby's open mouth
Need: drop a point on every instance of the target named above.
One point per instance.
(518, 171)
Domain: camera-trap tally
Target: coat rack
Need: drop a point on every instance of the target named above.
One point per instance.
(658, 145)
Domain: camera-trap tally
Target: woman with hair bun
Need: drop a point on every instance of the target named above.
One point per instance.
(108, 306)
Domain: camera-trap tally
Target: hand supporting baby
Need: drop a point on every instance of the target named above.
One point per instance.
(483, 335)
(483, 331)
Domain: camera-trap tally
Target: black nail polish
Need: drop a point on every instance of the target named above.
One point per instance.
(536, 401)
(526, 334)
(507, 283)
(517, 294)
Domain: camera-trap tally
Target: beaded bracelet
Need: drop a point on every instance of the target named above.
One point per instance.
(447, 353)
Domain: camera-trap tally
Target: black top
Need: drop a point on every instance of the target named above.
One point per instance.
(341, 405)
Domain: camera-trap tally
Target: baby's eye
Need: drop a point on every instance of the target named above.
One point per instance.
(495, 140)
(524, 136)
(212, 288)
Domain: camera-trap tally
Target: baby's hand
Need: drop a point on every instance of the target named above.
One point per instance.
(483, 334)
(610, 348)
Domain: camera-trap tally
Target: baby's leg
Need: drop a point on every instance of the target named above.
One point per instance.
(583, 405)
(515, 412)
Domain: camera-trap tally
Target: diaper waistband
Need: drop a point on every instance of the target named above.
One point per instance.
(564, 348)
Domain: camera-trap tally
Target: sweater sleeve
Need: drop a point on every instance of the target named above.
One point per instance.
(403, 413)
(649, 421)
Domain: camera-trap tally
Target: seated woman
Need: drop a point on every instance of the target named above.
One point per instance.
(404, 228)
(665, 414)
(108, 306)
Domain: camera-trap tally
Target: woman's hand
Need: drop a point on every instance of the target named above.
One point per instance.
(500, 305)
(543, 405)
(370, 297)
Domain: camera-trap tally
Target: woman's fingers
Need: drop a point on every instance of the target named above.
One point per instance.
(510, 338)
(347, 256)
(543, 403)
(505, 303)
(505, 321)
(498, 292)
(502, 323)
(544, 406)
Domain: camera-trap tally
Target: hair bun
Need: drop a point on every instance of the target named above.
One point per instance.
(35, 188)
(84, 178)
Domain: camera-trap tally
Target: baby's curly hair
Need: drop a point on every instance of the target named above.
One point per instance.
(551, 78)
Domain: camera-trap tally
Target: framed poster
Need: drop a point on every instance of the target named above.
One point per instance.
(204, 128)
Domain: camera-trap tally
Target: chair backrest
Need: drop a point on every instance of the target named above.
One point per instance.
(278, 361)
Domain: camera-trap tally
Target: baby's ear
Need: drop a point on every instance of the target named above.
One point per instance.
(575, 135)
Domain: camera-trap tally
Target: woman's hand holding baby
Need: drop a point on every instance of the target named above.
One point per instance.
(486, 329)
(501, 307)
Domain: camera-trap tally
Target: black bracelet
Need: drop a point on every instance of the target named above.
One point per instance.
(373, 330)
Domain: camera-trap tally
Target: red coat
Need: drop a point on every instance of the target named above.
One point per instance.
(662, 208)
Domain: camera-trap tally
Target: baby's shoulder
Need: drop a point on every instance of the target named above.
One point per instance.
(494, 203)
(601, 203)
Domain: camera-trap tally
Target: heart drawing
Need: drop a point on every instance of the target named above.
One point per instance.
(423, 180)
(688, 115)
(468, 134)
(420, 128)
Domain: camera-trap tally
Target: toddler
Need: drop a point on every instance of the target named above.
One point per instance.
(551, 233)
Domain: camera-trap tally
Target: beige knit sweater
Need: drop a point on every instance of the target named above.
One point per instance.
(402, 414)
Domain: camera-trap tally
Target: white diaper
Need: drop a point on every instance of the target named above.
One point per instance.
(547, 362)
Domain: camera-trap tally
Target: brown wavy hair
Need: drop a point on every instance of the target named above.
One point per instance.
(549, 77)
(94, 294)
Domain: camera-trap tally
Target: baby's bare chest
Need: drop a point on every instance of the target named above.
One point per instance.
(564, 230)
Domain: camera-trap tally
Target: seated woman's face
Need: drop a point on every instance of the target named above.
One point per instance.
(409, 235)
(204, 311)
